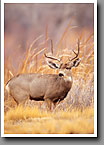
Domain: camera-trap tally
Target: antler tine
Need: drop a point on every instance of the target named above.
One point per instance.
(51, 57)
(51, 46)
(75, 52)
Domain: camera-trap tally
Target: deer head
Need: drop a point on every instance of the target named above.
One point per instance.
(64, 68)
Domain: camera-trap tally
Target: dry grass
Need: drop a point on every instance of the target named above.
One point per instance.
(73, 115)
(20, 120)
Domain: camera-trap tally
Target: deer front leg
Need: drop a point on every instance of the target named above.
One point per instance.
(49, 104)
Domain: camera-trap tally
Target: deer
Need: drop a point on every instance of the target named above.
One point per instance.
(51, 88)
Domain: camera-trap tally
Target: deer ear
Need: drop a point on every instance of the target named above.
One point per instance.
(76, 62)
(52, 65)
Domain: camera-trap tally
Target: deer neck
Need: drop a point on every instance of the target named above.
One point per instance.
(67, 77)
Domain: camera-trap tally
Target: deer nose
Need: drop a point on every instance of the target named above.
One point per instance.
(61, 74)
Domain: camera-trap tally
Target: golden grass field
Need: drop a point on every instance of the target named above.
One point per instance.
(75, 114)
(34, 121)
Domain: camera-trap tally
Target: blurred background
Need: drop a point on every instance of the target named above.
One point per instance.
(25, 22)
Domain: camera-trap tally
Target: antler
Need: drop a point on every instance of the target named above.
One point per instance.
(61, 65)
(75, 52)
(51, 57)
(51, 46)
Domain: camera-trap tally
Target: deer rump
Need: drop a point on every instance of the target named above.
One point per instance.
(38, 87)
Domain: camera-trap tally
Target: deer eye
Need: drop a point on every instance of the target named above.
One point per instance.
(61, 75)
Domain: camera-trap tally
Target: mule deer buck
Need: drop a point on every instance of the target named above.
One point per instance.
(51, 88)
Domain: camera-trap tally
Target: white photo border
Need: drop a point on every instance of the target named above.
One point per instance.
(95, 68)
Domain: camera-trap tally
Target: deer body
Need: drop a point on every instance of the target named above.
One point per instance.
(39, 87)
(51, 88)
